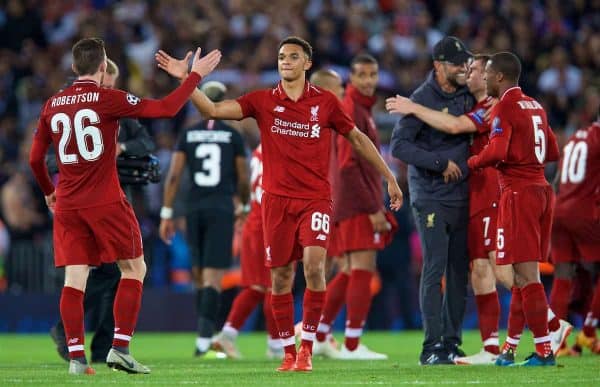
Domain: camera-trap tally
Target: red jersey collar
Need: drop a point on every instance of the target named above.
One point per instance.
(360, 98)
(510, 90)
(308, 89)
(85, 82)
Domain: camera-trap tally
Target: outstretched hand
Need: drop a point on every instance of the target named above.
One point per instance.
(177, 68)
(206, 64)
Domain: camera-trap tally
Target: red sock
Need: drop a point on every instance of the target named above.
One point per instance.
(591, 320)
(334, 300)
(283, 314)
(312, 306)
(488, 312)
(560, 297)
(269, 319)
(516, 320)
(126, 308)
(553, 321)
(358, 301)
(71, 312)
(243, 305)
(535, 307)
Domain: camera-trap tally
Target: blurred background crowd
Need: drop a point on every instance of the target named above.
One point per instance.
(557, 41)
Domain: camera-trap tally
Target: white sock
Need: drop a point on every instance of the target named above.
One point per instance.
(274, 343)
(230, 331)
(203, 343)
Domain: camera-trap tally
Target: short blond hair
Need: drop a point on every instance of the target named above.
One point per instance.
(112, 68)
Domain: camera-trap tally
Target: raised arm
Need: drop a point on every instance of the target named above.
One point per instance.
(224, 110)
(436, 119)
(365, 148)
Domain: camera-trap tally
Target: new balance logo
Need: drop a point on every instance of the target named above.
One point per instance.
(315, 131)
(376, 237)
(279, 109)
(321, 237)
(501, 254)
(268, 252)
(74, 340)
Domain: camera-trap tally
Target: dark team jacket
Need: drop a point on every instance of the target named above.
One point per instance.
(428, 150)
(211, 148)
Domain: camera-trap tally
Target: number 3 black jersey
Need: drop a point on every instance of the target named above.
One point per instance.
(211, 148)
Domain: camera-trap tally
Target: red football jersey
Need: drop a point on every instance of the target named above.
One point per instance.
(82, 123)
(579, 169)
(359, 187)
(484, 190)
(296, 138)
(521, 141)
(256, 173)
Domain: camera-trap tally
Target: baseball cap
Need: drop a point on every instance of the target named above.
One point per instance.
(214, 90)
(451, 49)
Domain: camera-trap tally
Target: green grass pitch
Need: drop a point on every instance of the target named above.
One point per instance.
(31, 359)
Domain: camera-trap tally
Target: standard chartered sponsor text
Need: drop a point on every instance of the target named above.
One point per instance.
(290, 128)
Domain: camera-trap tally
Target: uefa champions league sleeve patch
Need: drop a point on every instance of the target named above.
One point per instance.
(132, 99)
(496, 128)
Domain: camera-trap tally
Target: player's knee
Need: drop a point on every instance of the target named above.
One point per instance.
(281, 280)
(212, 278)
(314, 275)
(133, 268)
(363, 260)
(504, 276)
(482, 271)
(76, 276)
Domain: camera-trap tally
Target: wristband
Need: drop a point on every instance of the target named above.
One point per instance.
(166, 213)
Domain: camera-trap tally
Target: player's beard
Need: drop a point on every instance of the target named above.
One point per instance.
(453, 79)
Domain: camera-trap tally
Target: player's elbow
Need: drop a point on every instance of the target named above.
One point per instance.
(36, 161)
(453, 128)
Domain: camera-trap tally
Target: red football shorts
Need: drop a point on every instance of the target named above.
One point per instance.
(524, 224)
(254, 271)
(95, 235)
(575, 239)
(335, 242)
(482, 233)
(290, 225)
(357, 233)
